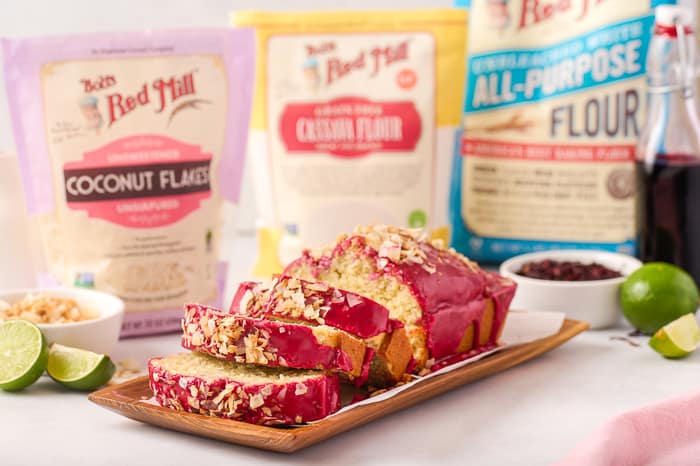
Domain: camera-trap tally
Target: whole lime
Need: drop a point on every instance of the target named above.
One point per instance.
(656, 294)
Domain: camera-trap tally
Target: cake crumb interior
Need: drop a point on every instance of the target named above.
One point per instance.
(196, 364)
(350, 271)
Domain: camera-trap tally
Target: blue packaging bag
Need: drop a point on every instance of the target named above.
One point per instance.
(554, 102)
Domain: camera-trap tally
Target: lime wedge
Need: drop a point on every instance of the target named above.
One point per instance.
(79, 369)
(677, 339)
(23, 354)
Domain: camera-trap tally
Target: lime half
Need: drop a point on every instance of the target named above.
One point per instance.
(677, 339)
(23, 354)
(79, 369)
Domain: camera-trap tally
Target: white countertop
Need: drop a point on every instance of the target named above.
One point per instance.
(529, 415)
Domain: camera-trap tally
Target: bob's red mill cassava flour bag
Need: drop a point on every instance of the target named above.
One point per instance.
(127, 144)
(353, 120)
(554, 105)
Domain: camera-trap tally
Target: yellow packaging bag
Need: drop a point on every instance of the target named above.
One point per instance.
(353, 122)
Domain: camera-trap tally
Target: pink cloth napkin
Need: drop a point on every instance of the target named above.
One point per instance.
(662, 434)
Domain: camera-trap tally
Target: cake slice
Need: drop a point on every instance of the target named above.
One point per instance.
(315, 303)
(264, 342)
(201, 384)
(446, 302)
(287, 297)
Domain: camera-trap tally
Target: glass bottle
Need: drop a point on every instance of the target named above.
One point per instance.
(668, 153)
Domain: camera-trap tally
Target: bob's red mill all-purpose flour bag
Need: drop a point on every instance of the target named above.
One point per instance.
(354, 120)
(555, 100)
(128, 143)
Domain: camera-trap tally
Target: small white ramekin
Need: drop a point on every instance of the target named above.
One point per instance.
(596, 302)
(99, 335)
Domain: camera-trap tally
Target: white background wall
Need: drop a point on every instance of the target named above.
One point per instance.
(42, 17)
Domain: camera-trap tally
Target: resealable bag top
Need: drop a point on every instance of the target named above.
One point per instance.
(127, 145)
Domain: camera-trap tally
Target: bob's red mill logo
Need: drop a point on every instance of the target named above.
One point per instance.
(373, 59)
(536, 11)
(159, 93)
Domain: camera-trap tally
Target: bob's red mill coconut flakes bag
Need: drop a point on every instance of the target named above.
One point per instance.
(128, 143)
(353, 119)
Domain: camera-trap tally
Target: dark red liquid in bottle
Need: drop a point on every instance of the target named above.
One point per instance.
(669, 212)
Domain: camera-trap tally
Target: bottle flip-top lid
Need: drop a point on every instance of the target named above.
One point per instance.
(668, 15)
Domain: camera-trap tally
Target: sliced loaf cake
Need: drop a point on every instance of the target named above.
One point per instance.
(198, 383)
(447, 303)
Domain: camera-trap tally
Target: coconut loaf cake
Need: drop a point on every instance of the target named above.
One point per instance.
(264, 342)
(198, 383)
(447, 303)
(315, 303)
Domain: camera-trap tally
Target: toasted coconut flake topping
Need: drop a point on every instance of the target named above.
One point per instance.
(254, 349)
(300, 389)
(256, 401)
(404, 245)
(245, 301)
(353, 300)
(396, 245)
(182, 382)
(290, 297)
(318, 286)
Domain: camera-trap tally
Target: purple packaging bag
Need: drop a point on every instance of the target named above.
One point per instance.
(128, 144)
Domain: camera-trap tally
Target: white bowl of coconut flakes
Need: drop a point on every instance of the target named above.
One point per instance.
(76, 317)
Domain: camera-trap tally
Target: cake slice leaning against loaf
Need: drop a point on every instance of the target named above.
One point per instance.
(264, 342)
(315, 303)
(198, 383)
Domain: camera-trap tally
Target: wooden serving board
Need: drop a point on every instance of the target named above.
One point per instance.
(128, 398)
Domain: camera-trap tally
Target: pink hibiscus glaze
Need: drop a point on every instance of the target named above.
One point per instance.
(452, 296)
(355, 314)
(282, 402)
(288, 344)
(243, 287)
